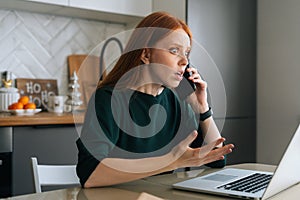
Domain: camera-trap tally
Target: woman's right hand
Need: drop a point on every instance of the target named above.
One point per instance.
(185, 156)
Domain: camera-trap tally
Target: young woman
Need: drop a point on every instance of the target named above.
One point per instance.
(136, 125)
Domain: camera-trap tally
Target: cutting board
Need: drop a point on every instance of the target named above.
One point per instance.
(88, 71)
(89, 63)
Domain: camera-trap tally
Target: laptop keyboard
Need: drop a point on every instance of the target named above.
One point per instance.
(252, 183)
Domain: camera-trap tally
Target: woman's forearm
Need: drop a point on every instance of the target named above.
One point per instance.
(210, 130)
(111, 171)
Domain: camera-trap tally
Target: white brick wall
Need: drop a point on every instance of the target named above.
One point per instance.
(36, 45)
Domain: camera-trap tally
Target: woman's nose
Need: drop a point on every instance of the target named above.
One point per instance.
(184, 61)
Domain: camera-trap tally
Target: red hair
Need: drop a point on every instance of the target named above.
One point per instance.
(151, 29)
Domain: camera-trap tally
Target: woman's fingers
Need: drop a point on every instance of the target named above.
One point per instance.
(196, 78)
(186, 156)
(227, 148)
(189, 139)
(219, 153)
(206, 155)
(194, 75)
(184, 144)
(210, 146)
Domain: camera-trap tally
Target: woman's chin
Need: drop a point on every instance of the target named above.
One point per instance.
(172, 85)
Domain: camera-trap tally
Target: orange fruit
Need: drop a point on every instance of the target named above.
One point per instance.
(19, 105)
(15, 106)
(30, 105)
(10, 107)
(24, 100)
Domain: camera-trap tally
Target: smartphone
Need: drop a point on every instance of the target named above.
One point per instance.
(186, 86)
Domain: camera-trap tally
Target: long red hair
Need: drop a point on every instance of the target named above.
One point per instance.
(151, 29)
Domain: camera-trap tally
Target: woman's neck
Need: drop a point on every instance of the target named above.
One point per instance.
(152, 89)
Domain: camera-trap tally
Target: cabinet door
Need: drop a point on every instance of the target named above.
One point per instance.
(125, 7)
(227, 30)
(176, 8)
(241, 133)
(56, 2)
(50, 144)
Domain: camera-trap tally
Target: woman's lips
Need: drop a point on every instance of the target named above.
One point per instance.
(179, 76)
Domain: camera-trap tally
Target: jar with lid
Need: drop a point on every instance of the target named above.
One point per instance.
(8, 93)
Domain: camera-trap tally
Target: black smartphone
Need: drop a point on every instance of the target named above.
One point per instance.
(186, 86)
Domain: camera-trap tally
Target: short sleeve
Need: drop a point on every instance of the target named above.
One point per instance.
(98, 136)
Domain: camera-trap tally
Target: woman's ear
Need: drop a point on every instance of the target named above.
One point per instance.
(145, 57)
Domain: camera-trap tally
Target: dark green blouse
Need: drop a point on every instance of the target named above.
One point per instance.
(131, 124)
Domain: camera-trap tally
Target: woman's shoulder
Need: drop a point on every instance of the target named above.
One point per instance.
(111, 89)
(100, 96)
(104, 92)
(105, 89)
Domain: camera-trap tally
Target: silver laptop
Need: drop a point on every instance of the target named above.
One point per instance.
(251, 184)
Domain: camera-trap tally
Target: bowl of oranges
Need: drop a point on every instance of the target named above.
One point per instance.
(23, 107)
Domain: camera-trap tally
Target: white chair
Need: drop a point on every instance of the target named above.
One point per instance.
(53, 175)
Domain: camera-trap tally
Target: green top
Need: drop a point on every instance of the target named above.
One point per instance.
(131, 124)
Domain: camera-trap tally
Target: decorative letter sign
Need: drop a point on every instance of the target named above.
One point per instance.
(37, 90)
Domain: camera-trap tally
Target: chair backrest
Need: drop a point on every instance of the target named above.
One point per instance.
(52, 175)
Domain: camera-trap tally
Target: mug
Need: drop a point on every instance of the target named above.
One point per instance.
(55, 104)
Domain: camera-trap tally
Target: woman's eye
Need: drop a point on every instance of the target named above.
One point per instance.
(174, 51)
(187, 54)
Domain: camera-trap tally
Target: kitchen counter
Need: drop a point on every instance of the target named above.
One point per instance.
(42, 118)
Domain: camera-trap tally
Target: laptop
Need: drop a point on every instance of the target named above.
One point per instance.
(251, 184)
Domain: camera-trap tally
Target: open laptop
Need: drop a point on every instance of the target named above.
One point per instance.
(251, 184)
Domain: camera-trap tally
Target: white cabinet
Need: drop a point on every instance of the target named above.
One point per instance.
(55, 2)
(174, 7)
(124, 7)
(118, 11)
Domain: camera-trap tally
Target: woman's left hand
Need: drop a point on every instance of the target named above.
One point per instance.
(198, 99)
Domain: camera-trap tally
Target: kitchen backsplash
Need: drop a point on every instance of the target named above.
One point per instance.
(37, 45)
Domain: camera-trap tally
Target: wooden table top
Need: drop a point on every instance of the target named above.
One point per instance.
(155, 188)
(42, 118)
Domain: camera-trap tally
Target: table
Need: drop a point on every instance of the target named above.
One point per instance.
(154, 188)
